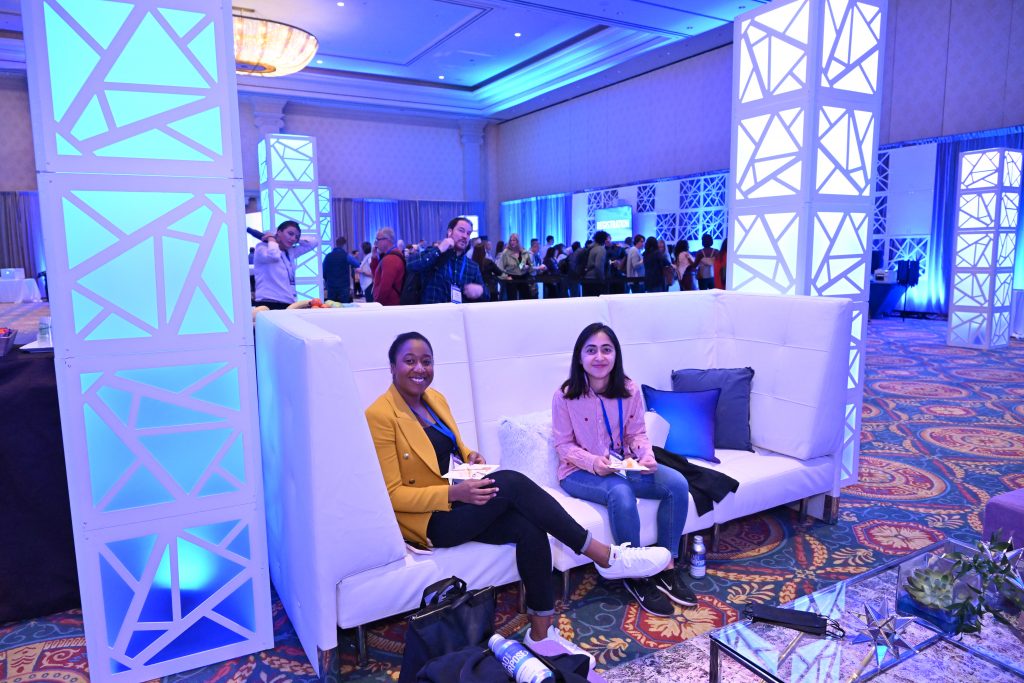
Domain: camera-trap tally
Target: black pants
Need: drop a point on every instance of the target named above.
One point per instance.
(272, 305)
(706, 283)
(522, 513)
(518, 288)
(342, 296)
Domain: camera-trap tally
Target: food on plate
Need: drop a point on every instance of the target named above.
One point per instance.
(632, 464)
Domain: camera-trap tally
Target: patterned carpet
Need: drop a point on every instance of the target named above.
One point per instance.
(943, 431)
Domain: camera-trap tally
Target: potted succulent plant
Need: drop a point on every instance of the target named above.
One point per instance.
(954, 591)
(1000, 591)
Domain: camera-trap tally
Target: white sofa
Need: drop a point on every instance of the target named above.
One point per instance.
(336, 556)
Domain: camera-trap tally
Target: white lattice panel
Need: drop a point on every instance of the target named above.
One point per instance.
(985, 242)
(807, 98)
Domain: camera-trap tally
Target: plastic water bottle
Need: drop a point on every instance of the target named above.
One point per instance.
(518, 662)
(45, 338)
(698, 558)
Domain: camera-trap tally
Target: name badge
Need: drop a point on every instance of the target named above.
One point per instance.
(456, 295)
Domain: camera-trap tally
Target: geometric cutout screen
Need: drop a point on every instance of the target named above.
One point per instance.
(289, 192)
(146, 264)
(135, 125)
(985, 243)
(158, 435)
(105, 100)
(171, 594)
(806, 98)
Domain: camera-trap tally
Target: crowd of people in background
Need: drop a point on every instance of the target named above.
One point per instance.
(462, 268)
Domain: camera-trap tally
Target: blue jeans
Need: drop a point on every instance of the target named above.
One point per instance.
(619, 495)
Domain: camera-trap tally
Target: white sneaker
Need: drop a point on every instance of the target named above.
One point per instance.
(627, 562)
(553, 636)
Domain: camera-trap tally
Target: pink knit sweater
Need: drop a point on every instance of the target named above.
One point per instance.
(581, 437)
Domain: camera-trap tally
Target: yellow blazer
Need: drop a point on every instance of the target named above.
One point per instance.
(408, 461)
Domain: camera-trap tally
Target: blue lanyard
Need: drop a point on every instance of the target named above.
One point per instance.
(441, 426)
(608, 425)
(462, 271)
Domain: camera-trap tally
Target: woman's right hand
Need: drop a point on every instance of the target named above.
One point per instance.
(602, 466)
(473, 491)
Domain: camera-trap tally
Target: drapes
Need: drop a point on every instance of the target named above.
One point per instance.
(21, 240)
(412, 220)
(537, 217)
(933, 294)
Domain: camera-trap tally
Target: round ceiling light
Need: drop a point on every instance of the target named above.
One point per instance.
(270, 48)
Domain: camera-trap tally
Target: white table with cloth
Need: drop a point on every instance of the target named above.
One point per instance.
(17, 291)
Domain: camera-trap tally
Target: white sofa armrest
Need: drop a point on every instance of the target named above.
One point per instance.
(328, 513)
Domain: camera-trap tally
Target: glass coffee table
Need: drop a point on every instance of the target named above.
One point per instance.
(786, 656)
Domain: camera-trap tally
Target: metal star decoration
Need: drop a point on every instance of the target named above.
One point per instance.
(884, 630)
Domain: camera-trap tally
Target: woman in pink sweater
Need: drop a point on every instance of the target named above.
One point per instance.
(597, 420)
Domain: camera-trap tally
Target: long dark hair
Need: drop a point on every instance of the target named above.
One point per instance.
(577, 385)
(401, 339)
(480, 255)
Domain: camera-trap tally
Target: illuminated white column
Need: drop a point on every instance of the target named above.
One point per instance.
(135, 124)
(289, 192)
(806, 80)
(985, 245)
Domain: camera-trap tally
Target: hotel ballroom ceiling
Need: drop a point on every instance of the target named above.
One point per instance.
(489, 58)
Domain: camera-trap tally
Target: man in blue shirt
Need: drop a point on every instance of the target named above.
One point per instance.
(447, 272)
(338, 267)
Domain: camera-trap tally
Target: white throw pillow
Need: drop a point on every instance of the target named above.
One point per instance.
(527, 447)
(657, 428)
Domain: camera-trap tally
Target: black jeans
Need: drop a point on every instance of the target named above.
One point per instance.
(522, 513)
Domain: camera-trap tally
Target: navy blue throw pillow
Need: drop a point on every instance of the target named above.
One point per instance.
(691, 419)
(732, 419)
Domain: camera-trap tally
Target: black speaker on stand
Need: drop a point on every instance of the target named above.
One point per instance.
(908, 274)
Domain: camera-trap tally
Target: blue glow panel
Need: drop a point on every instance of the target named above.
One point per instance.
(109, 457)
(187, 455)
(134, 553)
(202, 636)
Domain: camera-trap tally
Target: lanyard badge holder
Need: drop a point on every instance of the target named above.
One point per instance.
(611, 439)
(443, 429)
(457, 283)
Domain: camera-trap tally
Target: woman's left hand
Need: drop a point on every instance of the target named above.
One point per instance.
(476, 459)
(649, 462)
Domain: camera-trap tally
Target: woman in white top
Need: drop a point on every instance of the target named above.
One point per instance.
(365, 272)
(684, 266)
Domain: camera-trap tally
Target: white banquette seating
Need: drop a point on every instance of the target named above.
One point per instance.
(337, 558)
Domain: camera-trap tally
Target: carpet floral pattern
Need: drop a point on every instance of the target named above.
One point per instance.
(943, 431)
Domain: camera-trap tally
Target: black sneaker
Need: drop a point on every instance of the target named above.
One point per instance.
(649, 597)
(673, 585)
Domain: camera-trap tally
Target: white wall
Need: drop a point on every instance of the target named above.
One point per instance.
(363, 157)
(669, 122)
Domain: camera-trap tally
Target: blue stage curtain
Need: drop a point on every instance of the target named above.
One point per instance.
(433, 218)
(933, 295)
(537, 217)
(412, 220)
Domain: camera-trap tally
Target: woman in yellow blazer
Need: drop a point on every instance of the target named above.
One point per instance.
(416, 438)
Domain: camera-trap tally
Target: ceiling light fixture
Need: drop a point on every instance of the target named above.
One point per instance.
(441, 77)
(341, 4)
(518, 34)
(270, 48)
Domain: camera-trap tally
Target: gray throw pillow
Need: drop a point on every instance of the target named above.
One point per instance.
(732, 417)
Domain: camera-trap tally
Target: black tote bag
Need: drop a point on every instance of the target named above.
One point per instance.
(450, 618)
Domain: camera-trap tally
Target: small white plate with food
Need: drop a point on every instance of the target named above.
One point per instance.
(467, 471)
(626, 465)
